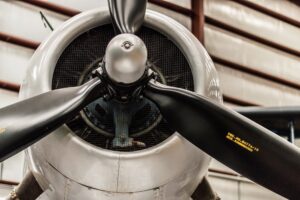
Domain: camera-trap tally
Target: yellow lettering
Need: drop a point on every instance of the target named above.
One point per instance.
(242, 143)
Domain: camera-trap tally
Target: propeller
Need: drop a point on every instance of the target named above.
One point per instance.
(127, 15)
(125, 58)
(25, 122)
(292, 112)
(231, 138)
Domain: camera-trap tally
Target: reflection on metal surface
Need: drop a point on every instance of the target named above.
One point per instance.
(101, 167)
(127, 15)
(2, 130)
(125, 58)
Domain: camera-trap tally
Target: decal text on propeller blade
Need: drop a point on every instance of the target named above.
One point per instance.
(241, 142)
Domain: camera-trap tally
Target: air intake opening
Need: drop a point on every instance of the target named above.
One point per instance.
(94, 123)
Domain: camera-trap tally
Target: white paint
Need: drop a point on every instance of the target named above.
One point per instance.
(254, 22)
(83, 5)
(80, 4)
(250, 88)
(250, 191)
(184, 20)
(13, 168)
(28, 24)
(23, 20)
(219, 166)
(183, 3)
(7, 97)
(283, 7)
(4, 191)
(13, 62)
(251, 54)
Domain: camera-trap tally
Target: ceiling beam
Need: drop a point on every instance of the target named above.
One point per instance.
(198, 20)
(9, 86)
(53, 7)
(173, 7)
(270, 12)
(18, 41)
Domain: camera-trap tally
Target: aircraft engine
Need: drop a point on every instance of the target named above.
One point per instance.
(108, 150)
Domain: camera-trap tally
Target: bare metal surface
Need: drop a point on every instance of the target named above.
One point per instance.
(125, 58)
(174, 166)
(127, 15)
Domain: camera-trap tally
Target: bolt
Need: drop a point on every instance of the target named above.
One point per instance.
(127, 44)
(100, 70)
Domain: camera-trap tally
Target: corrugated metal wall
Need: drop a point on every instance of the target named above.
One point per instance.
(254, 43)
(267, 74)
(255, 46)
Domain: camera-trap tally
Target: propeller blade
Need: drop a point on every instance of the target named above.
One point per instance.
(127, 15)
(289, 112)
(25, 122)
(231, 138)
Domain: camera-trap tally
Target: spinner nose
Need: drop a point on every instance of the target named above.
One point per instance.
(125, 58)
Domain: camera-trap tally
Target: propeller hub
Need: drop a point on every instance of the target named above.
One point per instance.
(125, 58)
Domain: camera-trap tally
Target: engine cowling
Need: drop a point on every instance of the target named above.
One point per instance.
(85, 165)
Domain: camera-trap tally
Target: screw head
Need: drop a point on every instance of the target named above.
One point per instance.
(127, 45)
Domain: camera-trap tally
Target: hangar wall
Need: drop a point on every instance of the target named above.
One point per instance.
(257, 48)
(254, 44)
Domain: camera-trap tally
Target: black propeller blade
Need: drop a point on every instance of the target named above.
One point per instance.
(127, 15)
(25, 122)
(289, 112)
(236, 141)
